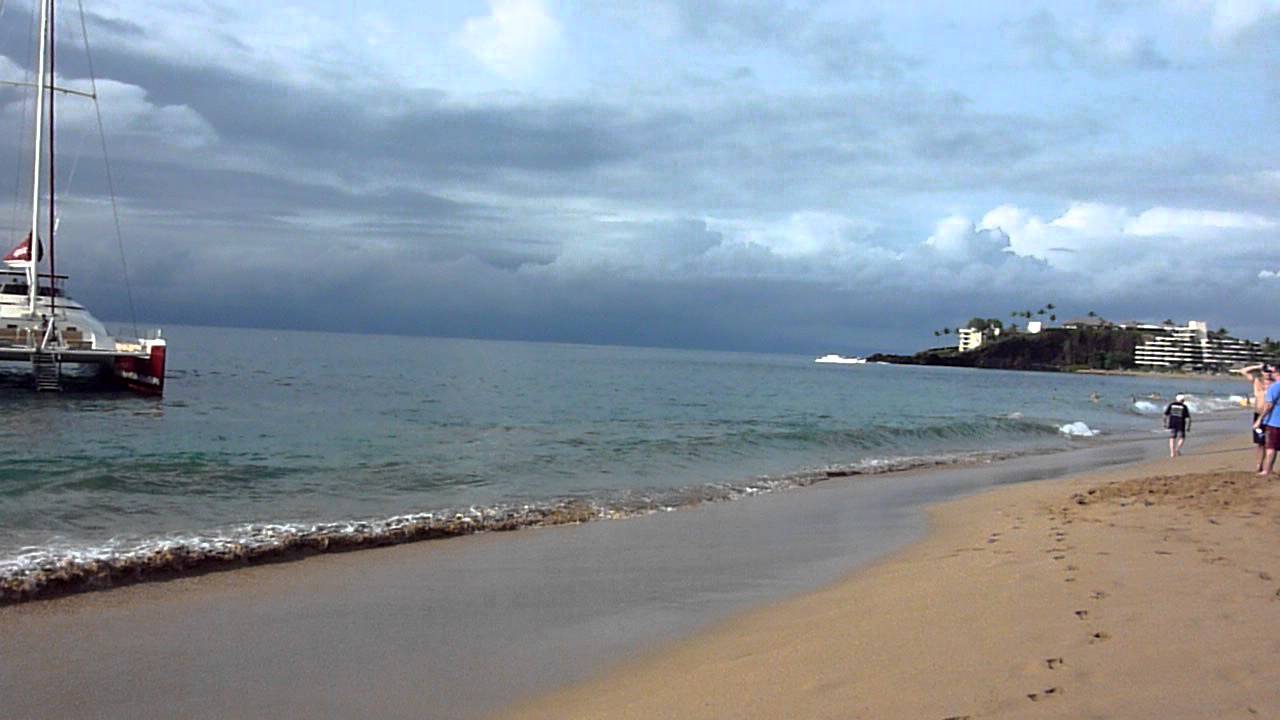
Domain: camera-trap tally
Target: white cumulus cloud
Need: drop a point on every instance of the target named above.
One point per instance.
(957, 239)
(1230, 18)
(1090, 236)
(1187, 223)
(514, 38)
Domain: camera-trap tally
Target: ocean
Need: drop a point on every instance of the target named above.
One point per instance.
(269, 443)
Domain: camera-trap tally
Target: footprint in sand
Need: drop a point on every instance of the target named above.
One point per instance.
(1082, 614)
(1054, 662)
(1097, 594)
(1044, 694)
(1100, 636)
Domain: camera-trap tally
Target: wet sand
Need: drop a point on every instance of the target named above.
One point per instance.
(1147, 592)
(461, 628)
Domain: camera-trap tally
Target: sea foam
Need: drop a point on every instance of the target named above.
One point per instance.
(1077, 429)
(51, 571)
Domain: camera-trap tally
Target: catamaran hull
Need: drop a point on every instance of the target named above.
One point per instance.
(143, 375)
(140, 369)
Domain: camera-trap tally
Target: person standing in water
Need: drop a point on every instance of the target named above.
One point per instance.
(1261, 376)
(1177, 417)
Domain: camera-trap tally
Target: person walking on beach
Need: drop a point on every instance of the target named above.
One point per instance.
(1269, 421)
(1261, 376)
(1177, 417)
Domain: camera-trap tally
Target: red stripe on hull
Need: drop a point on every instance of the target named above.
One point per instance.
(144, 376)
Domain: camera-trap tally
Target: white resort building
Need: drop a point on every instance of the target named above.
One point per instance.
(971, 338)
(1192, 347)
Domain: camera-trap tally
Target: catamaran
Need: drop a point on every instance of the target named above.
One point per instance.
(39, 324)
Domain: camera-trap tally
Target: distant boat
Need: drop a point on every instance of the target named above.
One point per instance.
(841, 360)
(39, 323)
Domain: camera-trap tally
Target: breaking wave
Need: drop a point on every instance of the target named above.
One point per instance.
(1077, 429)
(52, 571)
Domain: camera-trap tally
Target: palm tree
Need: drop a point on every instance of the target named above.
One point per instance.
(1049, 306)
(1041, 311)
(946, 331)
(937, 333)
(1093, 314)
(1053, 318)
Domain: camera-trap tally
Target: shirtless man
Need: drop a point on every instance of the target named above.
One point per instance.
(1261, 376)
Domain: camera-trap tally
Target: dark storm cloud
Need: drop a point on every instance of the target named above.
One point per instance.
(772, 150)
(346, 130)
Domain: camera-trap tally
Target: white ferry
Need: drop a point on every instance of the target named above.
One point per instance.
(841, 360)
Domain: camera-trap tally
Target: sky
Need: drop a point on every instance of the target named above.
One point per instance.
(763, 176)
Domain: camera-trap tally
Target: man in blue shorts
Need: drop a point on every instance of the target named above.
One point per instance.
(1269, 420)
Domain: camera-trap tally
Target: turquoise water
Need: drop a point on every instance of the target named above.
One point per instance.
(266, 436)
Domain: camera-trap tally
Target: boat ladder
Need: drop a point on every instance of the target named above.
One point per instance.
(47, 370)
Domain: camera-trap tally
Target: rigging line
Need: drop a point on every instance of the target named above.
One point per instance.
(75, 162)
(106, 161)
(79, 154)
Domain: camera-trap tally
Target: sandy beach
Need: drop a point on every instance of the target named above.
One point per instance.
(1147, 592)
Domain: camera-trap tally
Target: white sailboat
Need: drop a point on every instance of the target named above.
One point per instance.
(39, 323)
(834, 359)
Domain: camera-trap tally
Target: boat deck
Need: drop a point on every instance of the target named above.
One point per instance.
(25, 353)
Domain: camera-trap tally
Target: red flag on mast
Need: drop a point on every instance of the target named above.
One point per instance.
(20, 256)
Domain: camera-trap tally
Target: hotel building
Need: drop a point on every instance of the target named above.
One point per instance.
(1191, 347)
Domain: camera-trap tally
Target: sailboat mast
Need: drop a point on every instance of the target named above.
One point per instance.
(53, 195)
(32, 274)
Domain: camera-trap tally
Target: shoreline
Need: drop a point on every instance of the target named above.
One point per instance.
(1170, 375)
(69, 574)
(1144, 591)
(465, 627)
